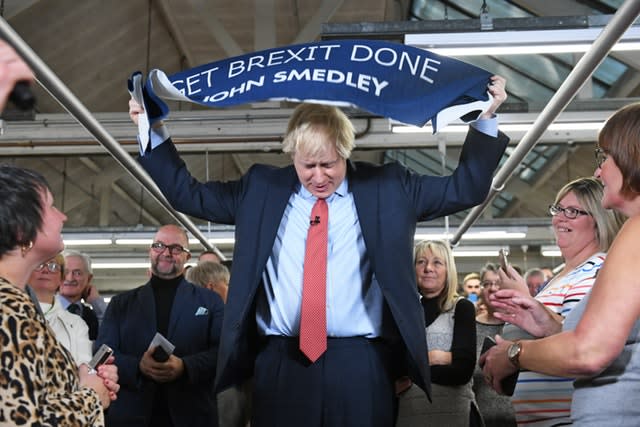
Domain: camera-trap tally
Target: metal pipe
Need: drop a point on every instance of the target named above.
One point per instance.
(58, 90)
(585, 67)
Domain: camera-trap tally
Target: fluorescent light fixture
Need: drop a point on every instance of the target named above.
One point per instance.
(475, 233)
(551, 251)
(87, 242)
(216, 241)
(493, 235)
(111, 265)
(114, 264)
(134, 242)
(432, 236)
(518, 42)
(476, 251)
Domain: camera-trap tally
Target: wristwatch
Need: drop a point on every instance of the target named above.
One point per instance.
(513, 352)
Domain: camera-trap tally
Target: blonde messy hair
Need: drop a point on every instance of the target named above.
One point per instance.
(310, 124)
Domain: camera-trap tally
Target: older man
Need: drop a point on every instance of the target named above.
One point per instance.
(78, 295)
(158, 391)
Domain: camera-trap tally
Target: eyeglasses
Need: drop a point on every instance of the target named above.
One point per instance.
(173, 249)
(571, 213)
(490, 283)
(601, 156)
(53, 267)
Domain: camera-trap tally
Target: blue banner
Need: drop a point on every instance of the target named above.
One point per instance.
(400, 82)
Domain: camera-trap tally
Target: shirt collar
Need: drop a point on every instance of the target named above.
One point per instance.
(341, 191)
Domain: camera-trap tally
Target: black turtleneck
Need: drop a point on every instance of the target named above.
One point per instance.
(164, 291)
(463, 345)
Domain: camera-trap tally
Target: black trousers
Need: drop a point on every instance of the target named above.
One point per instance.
(349, 385)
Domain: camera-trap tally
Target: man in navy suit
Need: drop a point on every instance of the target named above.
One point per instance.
(178, 391)
(375, 326)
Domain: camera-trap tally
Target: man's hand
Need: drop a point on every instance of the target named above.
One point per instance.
(135, 109)
(91, 293)
(12, 70)
(497, 89)
(161, 372)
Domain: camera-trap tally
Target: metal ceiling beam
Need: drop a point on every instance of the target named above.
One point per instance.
(323, 14)
(219, 33)
(397, 30)
(121, 192)
(249, 131)
(264, 21)
(178, 35)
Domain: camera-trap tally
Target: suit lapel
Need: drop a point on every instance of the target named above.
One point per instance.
(273, 206)
(365, 195)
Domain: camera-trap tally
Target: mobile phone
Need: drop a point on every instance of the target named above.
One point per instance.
(502, 257)
(487, 344)
(160, 354)
(101, 356)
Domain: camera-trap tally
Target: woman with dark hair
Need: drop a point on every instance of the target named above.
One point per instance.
(601, 335)
(40, 383)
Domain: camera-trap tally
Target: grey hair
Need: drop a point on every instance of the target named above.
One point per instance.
(86, 259)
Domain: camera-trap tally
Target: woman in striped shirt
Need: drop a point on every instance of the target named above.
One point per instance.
(583, 230)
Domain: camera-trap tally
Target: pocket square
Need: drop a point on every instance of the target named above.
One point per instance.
(202, 311)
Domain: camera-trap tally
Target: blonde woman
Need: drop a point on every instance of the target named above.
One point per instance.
(451, 339)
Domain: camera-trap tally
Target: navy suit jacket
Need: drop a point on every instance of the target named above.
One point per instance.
(128, 327)
(389, 200)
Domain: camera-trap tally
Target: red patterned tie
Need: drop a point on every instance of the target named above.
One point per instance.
(313, 318)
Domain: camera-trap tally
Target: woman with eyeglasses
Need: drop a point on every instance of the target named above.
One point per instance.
(451, 338)
(69, 328)
(40, 383)
(599, 339)
(584, 231)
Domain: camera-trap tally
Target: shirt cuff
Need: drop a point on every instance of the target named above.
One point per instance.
(487, 126)
(157, 135)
